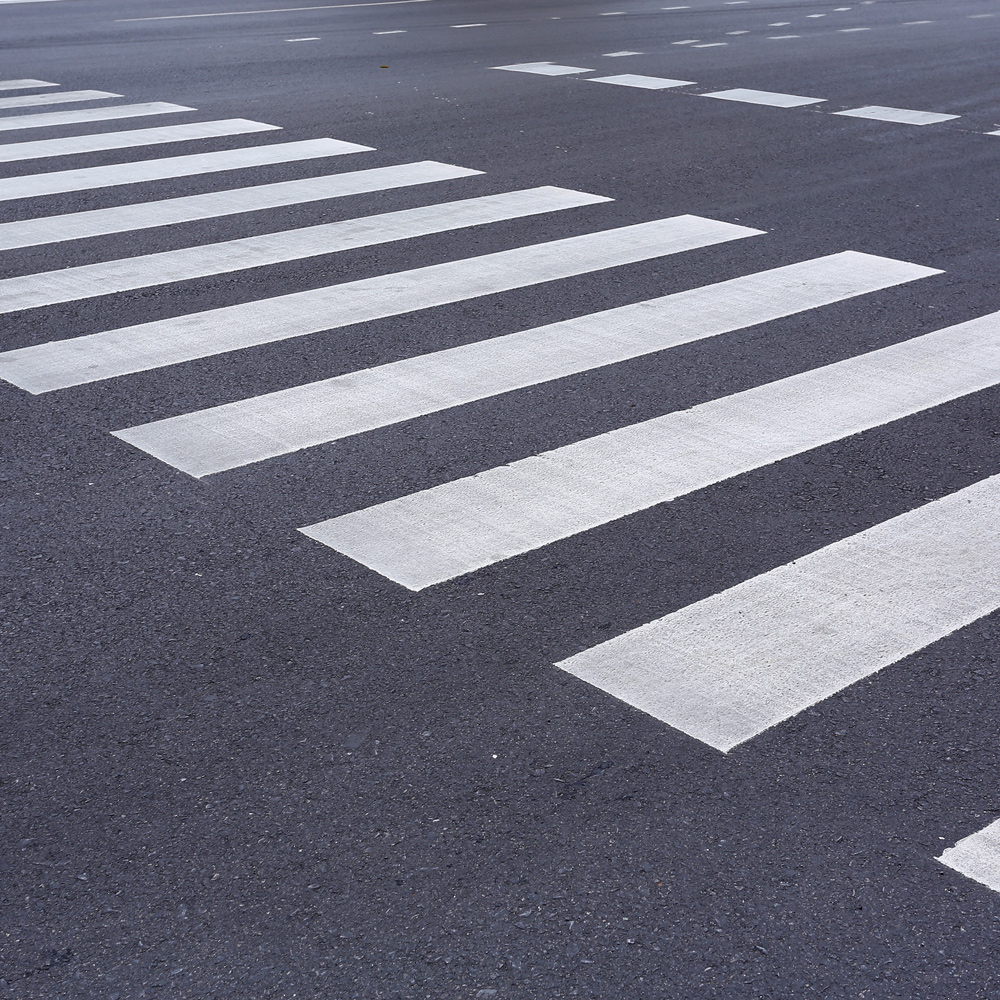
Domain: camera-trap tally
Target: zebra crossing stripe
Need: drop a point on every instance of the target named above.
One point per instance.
(24, 84)
(544, 69)
(59, 364)
(88, 178)
(727, 668)
(453, 529)
(977, 856)
(77, 117)
(250, 430)
(900, 115)
(764, 97)
(214, 204)
(40, 148)
(640, 82)
(63, 97)
(88, 280)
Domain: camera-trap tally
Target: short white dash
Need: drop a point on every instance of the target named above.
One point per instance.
(642, 82)
(612, 13)
(847, 31)
(981, 15)
(815, 15)
(764, 97)
(778, 38)
(709, 45)
(314, 39)
(617, 55)
(479, 24)
(675, 8)
(917, 22)
(900, 115)
(397, 31)
(779, 24)
(686, 41)
(977, 856)
(737, 32)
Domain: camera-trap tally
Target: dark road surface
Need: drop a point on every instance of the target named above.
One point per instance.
(241, 761)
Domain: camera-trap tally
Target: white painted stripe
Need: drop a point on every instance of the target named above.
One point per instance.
(59, 364)
(311, 38)
(24, 84)
(398, 31)
(815, 15)
(40, 148)
(618, 55)
(455, 528)
(709, 45)
(72, 284)
(727, 668)
(846, 31)
(480, 24)
(779, 24)
(685, 41)
(675, 8)
(214, 204)
(977, 856)
(275, 10)
(63, 97)
(642, 82)
(974, 16)
(918, 22)
(897, 115)
(543, 69)
(764, 97)
(52, 119)
(251, 430)
(737, 32)
(86, 178)
(778, 38)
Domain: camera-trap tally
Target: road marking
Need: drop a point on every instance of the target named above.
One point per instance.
(63, 97)
(214, 204)
(543, 69)
(917, 22)
(481, 24)
(815, 15)
(313, 39)
(72, 284)
(251, 430)
(973, 16)
(616, 55)
(642, 82)
(686, 41)
(779, 24)
(709, 45)
(899, 115)
(87, 178)
(275, 10)
(764, 97)
(398, 31)
(675, 8)
(611, 13)
(737, 32)
(59, 364)
(777, 38)
(846, 31)
(41, 148)
(464, 525)
(24, 84)
(729, 667)
(78, 116)
(978, 855)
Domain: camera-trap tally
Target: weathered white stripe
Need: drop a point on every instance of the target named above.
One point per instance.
(16, 151)
(900, 115)
(544, 69)
(764, 97)
(641, 82)
(452, 529)
(214, 204)
(86, 178)
(250, 430)
(88, 280)
(63, 97)
(978, 855)
(24, 84)
(78, 116)
(64, 363)
(729, 667)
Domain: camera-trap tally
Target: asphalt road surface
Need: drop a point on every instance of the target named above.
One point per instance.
(470, 533)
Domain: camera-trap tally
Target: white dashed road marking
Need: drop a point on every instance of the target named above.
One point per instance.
(642, 82)
(977, 856)
(544, 69)
(900, 115)
(764, 97)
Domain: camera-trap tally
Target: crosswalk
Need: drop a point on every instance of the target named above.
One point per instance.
(722, 670)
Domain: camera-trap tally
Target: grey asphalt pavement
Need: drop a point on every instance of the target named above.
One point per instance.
(241, 763)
